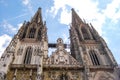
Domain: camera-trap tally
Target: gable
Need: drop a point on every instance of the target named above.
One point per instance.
(62, 58)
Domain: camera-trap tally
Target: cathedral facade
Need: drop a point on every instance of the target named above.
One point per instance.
(26, 57)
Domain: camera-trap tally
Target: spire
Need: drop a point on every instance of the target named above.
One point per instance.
(37, 17)
(94, 30)
(75, 18)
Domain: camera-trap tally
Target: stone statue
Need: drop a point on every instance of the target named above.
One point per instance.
(2, 76)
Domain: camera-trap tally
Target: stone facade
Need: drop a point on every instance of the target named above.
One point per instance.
(26, 57)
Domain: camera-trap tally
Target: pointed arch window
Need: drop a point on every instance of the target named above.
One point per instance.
(85, 33)
(32, 32)
(39, 35)
(24, 32)
(79, 35)
(28, 55)
(94, 57)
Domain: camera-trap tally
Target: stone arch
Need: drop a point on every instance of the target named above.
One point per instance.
(31, 33)
(39, 34)
(33, 25)
(20, 50)
(85, 33)
(94, 57)
(28, 55)
(101, 75)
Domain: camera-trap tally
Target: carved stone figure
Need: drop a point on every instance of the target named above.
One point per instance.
(2, 76)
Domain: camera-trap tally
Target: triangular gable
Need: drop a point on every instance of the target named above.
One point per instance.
(61, 58)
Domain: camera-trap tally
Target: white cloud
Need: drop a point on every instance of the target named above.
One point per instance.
(17, 17)
(28, 4)
(8, 27)
(57, 5)
(65, 17)
(3, 2)
(85, 9)
(25, 2)
(65, 38)
(89, 10)
(4, 41)
(113, 10)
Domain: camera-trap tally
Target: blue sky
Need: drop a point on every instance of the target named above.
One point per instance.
(103, 14)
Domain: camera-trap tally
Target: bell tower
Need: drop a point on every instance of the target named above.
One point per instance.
(89, 48)
(88, 41)
(28, 50)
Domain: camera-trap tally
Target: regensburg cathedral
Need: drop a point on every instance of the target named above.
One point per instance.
(26, 57)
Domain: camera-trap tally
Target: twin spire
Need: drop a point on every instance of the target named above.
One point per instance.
(38, 16)
(75, 18)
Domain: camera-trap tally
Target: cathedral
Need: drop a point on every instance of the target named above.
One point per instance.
(26, 57)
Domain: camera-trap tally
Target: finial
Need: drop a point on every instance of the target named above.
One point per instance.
(59, 40)
(72, 9)
(39, 8)
(84, 20)
(91, 25)
(24, 22)
(44, 22)
(60, 45)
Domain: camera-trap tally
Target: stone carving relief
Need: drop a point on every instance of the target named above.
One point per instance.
(61, 58)
(73, 61)
(74, 75)
(53, 75)
(39, 77)
(20, 51)
(62, 75)
(3, 57)
(58, 75)
(37, 51)
(10, 49)
(103, 76)
(2, 76)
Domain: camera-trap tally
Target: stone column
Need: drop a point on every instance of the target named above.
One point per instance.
(89, 34)
(40, 67)
(82, 37)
